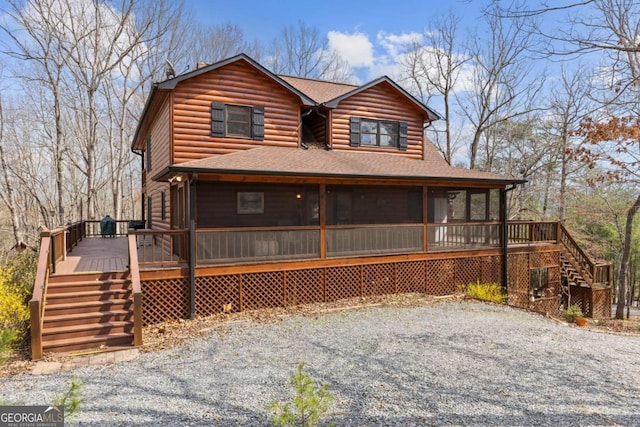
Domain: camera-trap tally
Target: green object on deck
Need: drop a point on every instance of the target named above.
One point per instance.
(108, 226)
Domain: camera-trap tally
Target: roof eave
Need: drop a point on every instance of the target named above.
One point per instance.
(171, 171)
(172, 83)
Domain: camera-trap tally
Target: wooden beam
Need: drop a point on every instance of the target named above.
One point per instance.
(323, 220)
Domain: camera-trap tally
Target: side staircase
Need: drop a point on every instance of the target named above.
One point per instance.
(586, 283)
(89, 311)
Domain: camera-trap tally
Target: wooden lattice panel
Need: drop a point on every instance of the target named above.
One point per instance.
(262, 290)
(441, 277)
(491, 269)
(304, 286)
(343, 282)
(411, 276)
(378, 279)
(163, 300)
(546, 305)
(549, 259)
(213, 293)
(581, 297)
(601, 303)
(519, 275)
(467, 270)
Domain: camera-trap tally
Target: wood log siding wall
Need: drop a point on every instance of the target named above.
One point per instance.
(381, 102)
(238, 84)
(160, 134)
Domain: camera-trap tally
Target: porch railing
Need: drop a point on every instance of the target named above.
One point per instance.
(136, 290)
(256, 244)
(532, 232)
(374, 239)
(162, 247)
(460, 236)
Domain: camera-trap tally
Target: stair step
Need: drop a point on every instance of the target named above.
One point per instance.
(87, 330)
(88, 285)
(88, 317)
(86, 307)
(65, 345)
(80, 277)
(88, 296)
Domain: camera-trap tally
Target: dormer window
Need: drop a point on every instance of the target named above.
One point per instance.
(237, 121)
(378, 133)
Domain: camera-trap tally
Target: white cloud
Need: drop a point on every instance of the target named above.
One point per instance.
(355, 49)
(395, 44)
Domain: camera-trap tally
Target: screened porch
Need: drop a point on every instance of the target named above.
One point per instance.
(243, 222)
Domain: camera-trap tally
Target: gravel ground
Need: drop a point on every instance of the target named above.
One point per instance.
(453, 363)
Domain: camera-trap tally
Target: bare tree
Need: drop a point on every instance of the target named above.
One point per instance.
(504, 85)
(303, 52)
(433, 68)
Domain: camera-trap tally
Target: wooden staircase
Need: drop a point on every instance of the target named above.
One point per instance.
(88, 311)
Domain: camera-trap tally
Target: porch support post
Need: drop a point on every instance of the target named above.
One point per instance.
(192, 245)
(322, 200)
(425, 216)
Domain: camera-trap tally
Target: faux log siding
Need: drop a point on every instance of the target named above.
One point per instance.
(154, 189)
(380, 102)
(160, 141)
(237, 83)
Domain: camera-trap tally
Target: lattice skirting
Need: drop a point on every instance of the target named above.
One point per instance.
(169, 299)
(594, 303)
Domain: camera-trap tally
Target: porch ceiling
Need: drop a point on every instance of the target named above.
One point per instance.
(296, 162)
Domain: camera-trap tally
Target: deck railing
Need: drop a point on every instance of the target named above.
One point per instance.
(136, 290)
(38, 300)
(92, 227)
(215, 246)
(348, 240)
(532, 232)
(461, 236)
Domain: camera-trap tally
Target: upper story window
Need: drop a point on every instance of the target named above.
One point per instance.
(378, 133)
(237, 121)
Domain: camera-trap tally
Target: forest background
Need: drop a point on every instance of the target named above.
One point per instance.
(544, 93)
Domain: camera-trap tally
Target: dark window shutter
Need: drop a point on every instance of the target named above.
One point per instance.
(148, 153)
(402, 136)
(354, 125)
(218, 125)
(258, 123)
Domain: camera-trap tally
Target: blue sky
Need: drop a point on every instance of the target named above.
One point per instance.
(365, 31)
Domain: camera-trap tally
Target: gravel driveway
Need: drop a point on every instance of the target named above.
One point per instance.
(447, 364)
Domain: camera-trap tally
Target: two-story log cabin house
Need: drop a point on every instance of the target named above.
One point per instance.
(294, 190)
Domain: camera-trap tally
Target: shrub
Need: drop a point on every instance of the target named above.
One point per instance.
(486, 292)
(310, 402)
(17, 274)
(70, 400)
(572, 312)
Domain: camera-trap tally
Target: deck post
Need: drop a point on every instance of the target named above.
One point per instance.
(322, 200)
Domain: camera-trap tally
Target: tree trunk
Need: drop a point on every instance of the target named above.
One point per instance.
(624, 262)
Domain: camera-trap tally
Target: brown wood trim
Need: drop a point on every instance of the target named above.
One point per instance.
(349, 226)
(534, 247)
(322, 201)
(340, 262)
(149, 274)
(425, 218)
(390, 181)
(276, 228)
(134, 272)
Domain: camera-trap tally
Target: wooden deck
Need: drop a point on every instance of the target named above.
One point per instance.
(108, 254)
(105, 254)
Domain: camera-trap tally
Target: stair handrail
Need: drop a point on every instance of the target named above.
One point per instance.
(134, 271)
(592, 272)
(37, 303)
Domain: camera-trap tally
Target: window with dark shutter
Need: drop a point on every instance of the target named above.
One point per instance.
(148, 153)
(163, 202)
(237, 121)
(377, 133)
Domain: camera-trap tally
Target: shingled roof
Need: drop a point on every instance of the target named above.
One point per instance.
(338, 164)
(319, 90)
